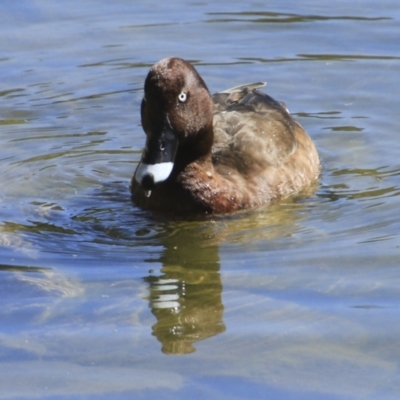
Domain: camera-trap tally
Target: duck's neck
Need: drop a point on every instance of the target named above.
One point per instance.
(196, 150)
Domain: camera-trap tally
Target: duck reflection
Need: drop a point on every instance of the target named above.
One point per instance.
(186, 298)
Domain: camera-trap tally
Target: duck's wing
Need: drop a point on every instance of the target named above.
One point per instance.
(223, 100)
(253, 132)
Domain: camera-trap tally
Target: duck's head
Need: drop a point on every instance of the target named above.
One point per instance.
(177, 117)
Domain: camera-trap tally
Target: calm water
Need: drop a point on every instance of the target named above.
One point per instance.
(101, 300)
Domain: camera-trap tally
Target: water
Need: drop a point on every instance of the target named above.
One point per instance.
(100, 299)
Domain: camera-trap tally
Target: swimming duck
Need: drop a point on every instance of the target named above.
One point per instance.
(216, 154)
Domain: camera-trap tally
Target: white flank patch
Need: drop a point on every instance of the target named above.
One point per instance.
(159, 171)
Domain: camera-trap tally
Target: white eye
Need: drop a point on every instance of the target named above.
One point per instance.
(182, 97)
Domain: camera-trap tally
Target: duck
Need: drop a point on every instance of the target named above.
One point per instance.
(216, 154)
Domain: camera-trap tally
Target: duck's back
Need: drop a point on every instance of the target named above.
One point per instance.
(256, 138)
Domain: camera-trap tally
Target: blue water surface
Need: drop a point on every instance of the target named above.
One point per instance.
(103, 300)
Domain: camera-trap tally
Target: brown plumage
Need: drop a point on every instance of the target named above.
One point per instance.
(231, 151)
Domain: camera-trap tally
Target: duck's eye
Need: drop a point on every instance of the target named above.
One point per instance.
(182, 97)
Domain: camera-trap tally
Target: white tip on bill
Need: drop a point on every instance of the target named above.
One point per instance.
(160, 171)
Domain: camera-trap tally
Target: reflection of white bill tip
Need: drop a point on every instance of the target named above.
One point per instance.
(160, 171)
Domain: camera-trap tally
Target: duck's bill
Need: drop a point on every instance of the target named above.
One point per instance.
(157, 160)
(148, 175)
